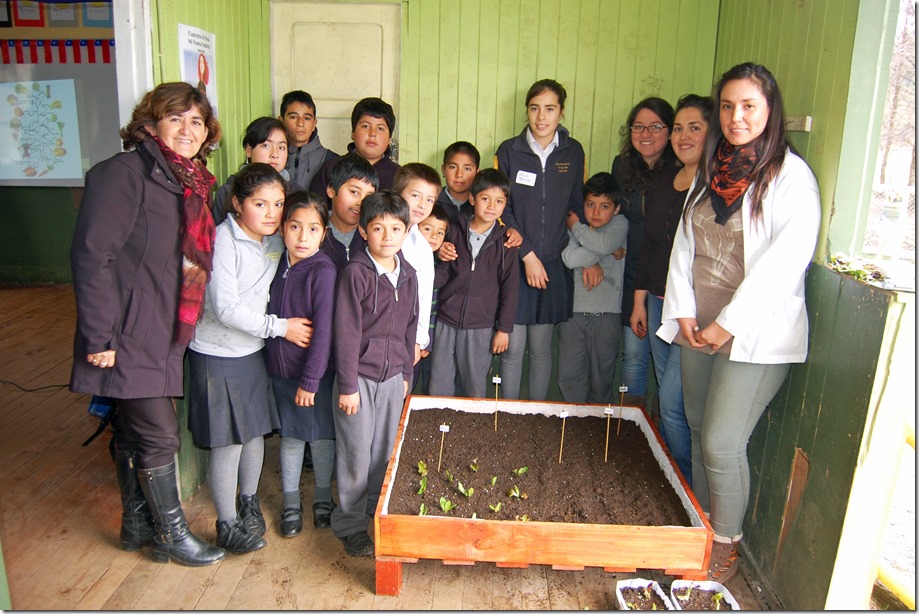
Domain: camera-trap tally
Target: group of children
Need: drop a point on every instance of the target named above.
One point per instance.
(325, 307)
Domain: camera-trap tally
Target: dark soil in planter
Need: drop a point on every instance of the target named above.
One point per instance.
(702, 599)
(642, 599)
(629, 489)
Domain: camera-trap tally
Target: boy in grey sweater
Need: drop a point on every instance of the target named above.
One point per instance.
(589, 341)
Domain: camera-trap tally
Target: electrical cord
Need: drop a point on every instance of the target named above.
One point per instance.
(39, 389)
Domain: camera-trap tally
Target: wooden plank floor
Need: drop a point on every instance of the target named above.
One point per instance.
(60, 517)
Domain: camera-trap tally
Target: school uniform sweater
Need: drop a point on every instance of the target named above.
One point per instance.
(304, 162)
(222, 203)
(375, 323)
(453, 211)
(337, 251)
(385, 167)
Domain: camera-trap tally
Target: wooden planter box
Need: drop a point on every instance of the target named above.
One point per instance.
(678, 551)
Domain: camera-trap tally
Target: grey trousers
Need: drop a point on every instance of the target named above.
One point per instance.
(723, 401)
(363, 444)
(587, 347)
(535, 340)
(463, 352)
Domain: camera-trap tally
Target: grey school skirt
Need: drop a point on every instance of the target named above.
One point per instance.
(230, 400)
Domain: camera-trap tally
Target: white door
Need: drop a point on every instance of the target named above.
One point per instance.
(339, 53)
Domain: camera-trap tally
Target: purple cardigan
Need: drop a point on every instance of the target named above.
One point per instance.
(305, 290)
(375, 323)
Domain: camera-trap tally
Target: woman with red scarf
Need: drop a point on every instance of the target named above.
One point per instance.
(734, 298)
(141, 257)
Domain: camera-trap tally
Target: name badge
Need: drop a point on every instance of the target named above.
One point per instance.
(526, 178)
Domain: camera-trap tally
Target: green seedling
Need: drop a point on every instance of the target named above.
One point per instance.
(422, 468)
(423, 510)
(685, 594)
(494, 479)
(449, 475)
(496, 507)
(474, 465)
(514, 491)
(524, 518)
(467, 492)
(473, 516)
(520, 472)
(716, 599)
(446, 505)
(424, 485)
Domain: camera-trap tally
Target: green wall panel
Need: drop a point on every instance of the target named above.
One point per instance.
(36, 234)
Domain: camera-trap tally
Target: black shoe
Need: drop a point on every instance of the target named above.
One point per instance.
(137, 528)
(322, 514)
(250, 514)
(291, 521)
(236, 539)
(173, 541)
(358, 544)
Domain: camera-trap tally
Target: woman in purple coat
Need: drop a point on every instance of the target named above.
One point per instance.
(141, 257)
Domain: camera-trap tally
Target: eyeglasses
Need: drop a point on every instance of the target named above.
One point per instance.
(653, 128)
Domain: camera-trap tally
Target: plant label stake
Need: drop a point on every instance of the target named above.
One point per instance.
(622, 391)
(563, 415)
(609, 412)
(496, 380)
(444, 429)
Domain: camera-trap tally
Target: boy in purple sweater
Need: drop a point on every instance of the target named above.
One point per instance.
(376, 317)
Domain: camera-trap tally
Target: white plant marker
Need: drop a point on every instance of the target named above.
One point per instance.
(496, 380)
(622, 391)
(563, 415)
(609, 412)
(444, 429)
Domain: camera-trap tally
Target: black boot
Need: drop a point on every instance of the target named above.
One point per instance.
(173, 539)
(137, 529)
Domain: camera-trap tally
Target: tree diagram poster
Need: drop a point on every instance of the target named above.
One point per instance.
(39, 135)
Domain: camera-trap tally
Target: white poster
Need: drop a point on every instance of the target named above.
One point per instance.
(196, 54)
(39, 135)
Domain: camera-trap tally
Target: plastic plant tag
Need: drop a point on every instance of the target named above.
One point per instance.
(496, 379)
(563, 414)
(608, 411)
(444, 428)
(623, 388)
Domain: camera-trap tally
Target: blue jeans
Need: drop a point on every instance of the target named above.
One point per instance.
(675, 430)
(636, 354)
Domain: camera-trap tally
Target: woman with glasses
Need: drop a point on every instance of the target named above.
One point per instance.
(644, 153)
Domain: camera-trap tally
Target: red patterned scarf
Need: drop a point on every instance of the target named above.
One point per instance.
(731, 179)
(197, 235)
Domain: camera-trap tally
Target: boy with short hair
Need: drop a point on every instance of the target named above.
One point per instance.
(589, 341)
(461, 163)
(477, 300)
(419, 185)
(434, 229)
(372, 123)
(374, 327)
(306, 155)
(352, 179)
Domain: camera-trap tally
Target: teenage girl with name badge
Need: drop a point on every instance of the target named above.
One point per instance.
(546, 169)
(304, 285)
(231, 407)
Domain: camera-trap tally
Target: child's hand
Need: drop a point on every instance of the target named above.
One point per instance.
(447, 252)
(639, 320)
(425, 353)
(103, 360)
(299, 331)
(417, 354)
(404, 389)
(592, 276)
(689, 328)
(619, 254)
(349, 403)
(514, 238)
(304, 398)
(572, 219)
(535, 271)
(499, 342)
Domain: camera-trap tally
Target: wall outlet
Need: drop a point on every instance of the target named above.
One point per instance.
(799, 123)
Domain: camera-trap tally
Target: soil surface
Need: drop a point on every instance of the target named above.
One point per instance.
(642, 599)
(629, 489)
(702, 599)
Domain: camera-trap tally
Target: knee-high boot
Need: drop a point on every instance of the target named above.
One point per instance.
(173, 538)
(137, 528)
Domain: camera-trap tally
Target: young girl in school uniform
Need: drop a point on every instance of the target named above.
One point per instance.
(304, 285)
(546, 169)
(231, 408)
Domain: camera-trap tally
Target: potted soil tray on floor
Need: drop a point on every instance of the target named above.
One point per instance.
(641, 594)
(701, 595)
(518, 483)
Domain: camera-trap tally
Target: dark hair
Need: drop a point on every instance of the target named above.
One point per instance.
(770, 145)
(297, 96)
(303, 199)
(260, 131)
(636, 172)
(547, 84)
(352, 166)
(491, 178)
(411, 171)
(602, 184)
(462, 147)
(253, 176)
(169, 99)
(694, 101)
(384, 204)
(374, 107)
(439, 213)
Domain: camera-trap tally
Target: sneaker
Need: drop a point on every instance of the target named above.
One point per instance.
(358, 544)
(250, 514)
(234, 538)
(291, 521)
(723, 564)
(322, 514)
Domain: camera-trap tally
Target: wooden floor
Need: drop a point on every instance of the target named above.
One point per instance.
(60, 517)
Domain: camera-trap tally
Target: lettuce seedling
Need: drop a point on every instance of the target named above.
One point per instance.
(494, 479)
(496, 507)
(422, 468)
(449, 475)
(474, 465)
(514, 491)
(424, 485)
(466, 491)
(520, 472)
(446, 505)
(423, 510)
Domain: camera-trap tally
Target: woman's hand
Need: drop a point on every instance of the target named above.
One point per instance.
(499, 342)
(535, 271)
(714, 336)
(349, 403)
(514, 238)
(689, 328)
(103, 360)
(304, 398)
(447, 252)
(639, 319)
(571, 219)
(592, 276)
(299, 331)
